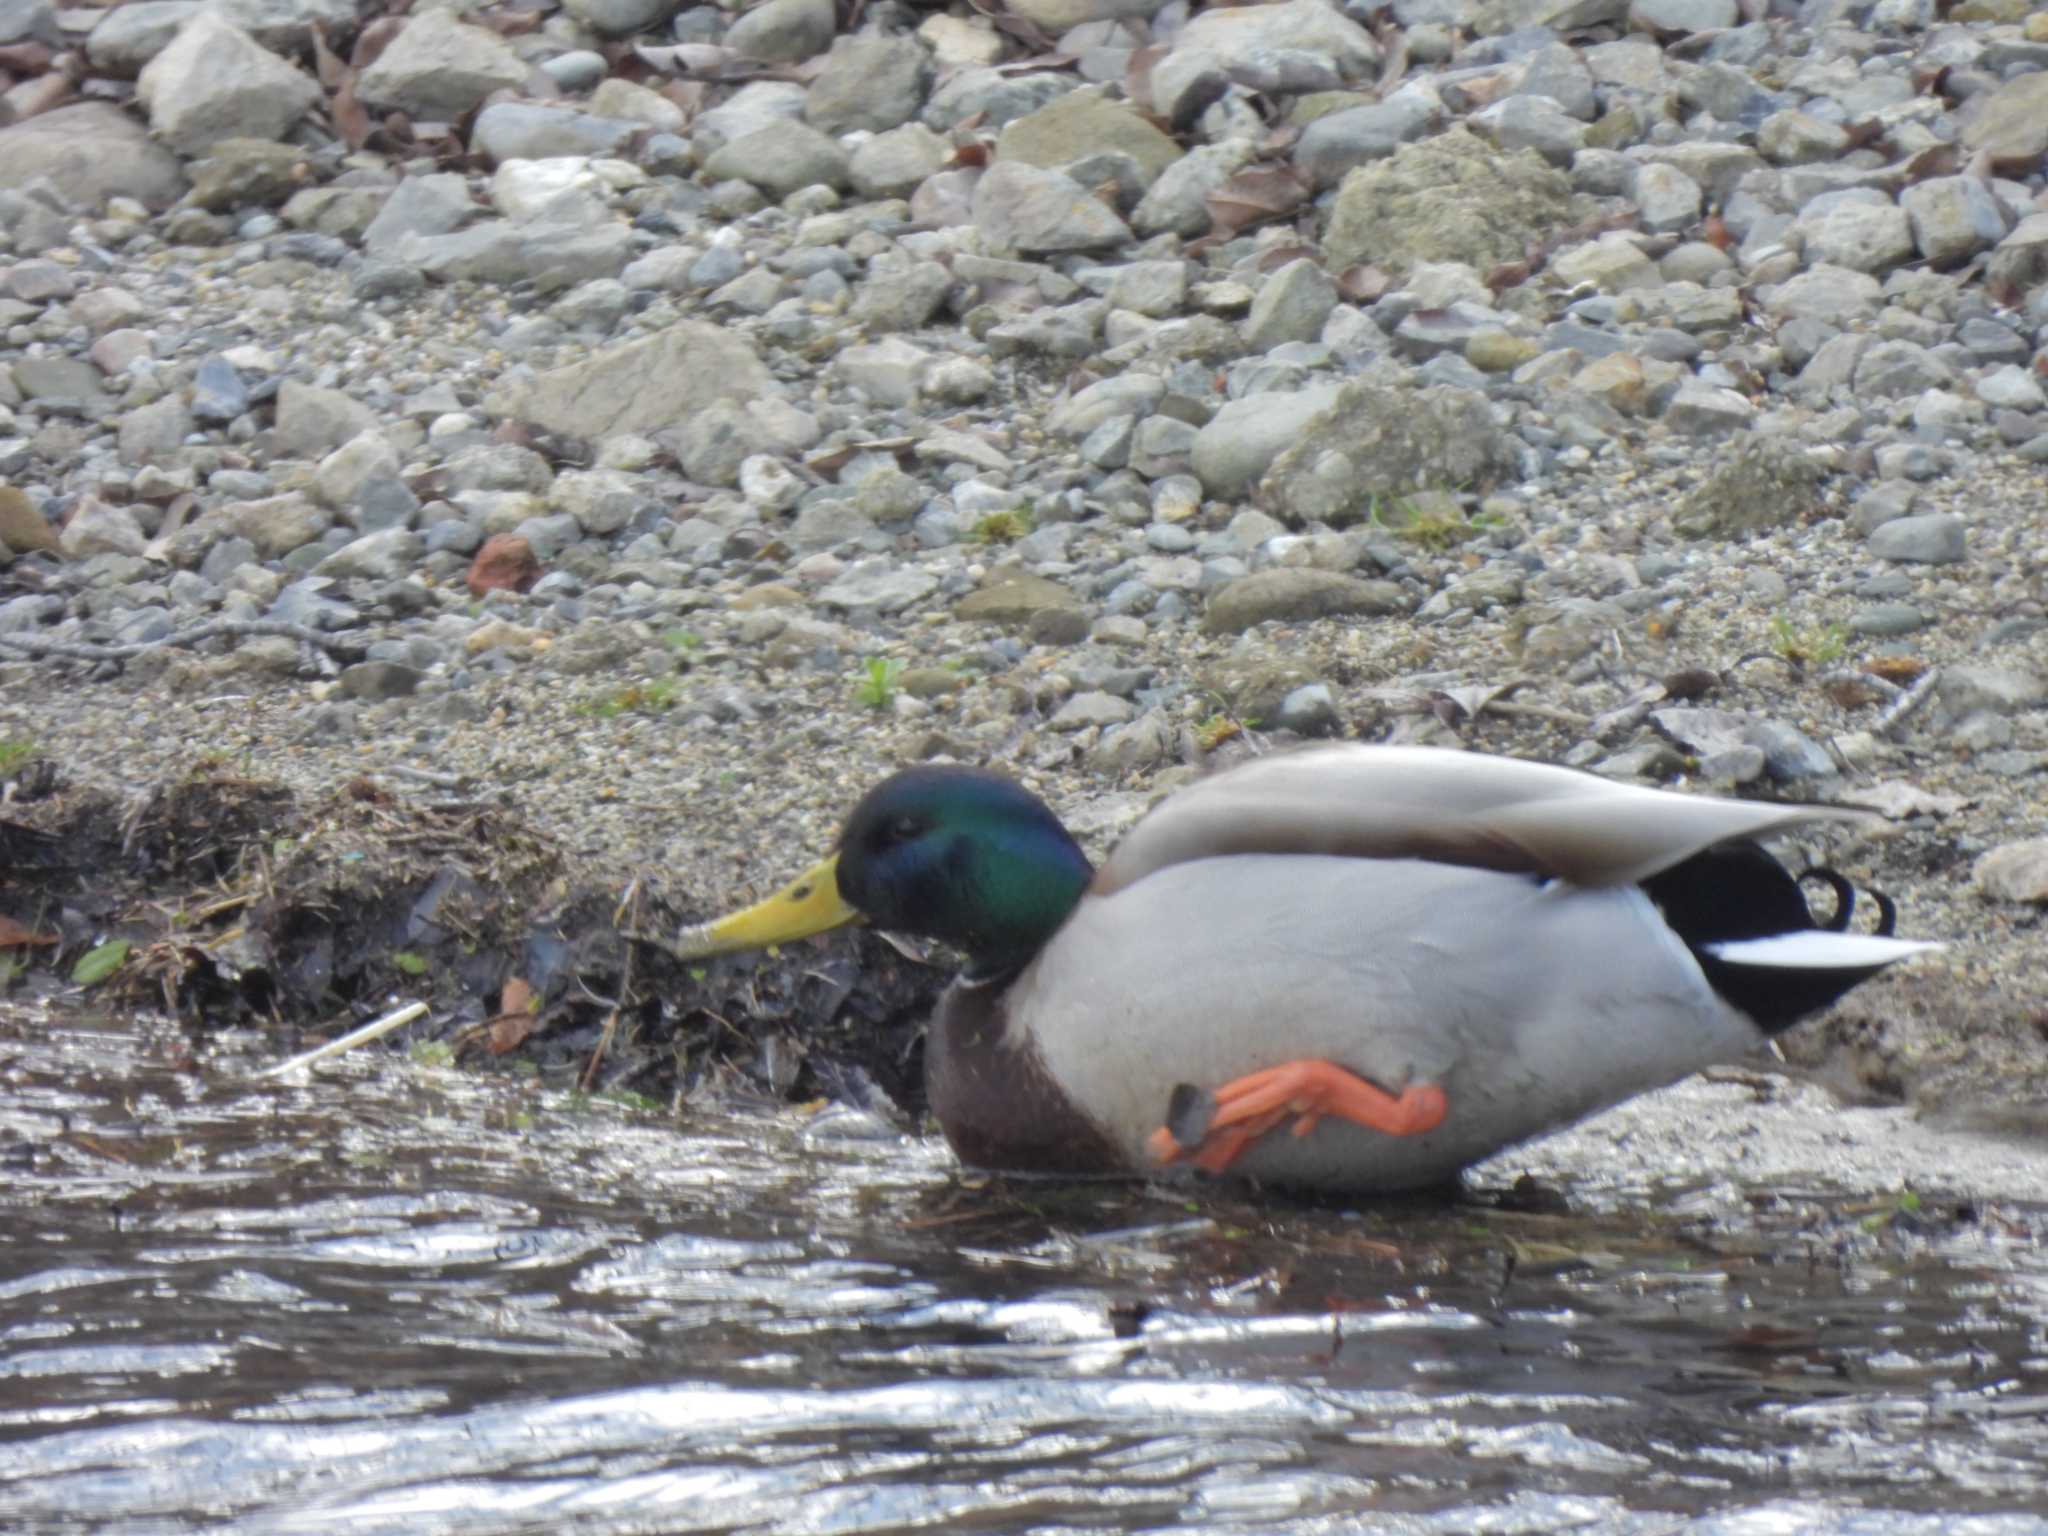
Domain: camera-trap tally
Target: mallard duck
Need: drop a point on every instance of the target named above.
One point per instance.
(1406, 957)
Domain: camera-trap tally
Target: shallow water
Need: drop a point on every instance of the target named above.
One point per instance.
(395, 1298)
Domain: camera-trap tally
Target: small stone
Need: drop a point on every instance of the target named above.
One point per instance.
(506, 562)
(1291, 306)
(2014, 872)
(1935, 538)
(1297, 593)
(1032, 211)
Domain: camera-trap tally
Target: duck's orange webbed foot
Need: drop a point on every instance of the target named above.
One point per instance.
(1210, 1130)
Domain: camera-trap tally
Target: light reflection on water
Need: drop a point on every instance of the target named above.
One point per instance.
(411, 1301)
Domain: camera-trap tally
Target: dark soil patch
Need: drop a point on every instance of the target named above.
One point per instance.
(243, 903)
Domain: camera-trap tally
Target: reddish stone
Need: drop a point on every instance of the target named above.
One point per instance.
(505, 563)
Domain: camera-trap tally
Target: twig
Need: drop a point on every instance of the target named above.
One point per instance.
(426, 776)
(629, 900)
(347, 644)
(376, 1029)
(1921, 691)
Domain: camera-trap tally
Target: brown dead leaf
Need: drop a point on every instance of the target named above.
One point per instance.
(327, 65)
(351, 117)
(1509, 274)
(25, 58)
(1138, 75)
(374, 39)
(1897, 669)
(14, 936)
(1363, 284)
(509, 1031)
(1256, 196)
(516, 996)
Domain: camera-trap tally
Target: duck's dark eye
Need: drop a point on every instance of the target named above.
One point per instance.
(901, 829)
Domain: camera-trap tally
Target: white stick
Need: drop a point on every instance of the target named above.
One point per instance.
(374, 1030)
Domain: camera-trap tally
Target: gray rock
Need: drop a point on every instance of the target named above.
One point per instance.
(371, 680)
(2018, 263)
(1161, 446)
(1375, 442)
(1337, 142)
(1119, 395)
(1297, 593)
(991, 97)
(2011, 388)
(1832, 295)
(1970, 689)
(1291, 305)
(385, 555)
(880, 586)
(312, 421)
(1762, 482)
(1558, 72)
(1306, 26)
(753, 106)
(1083, 123)
(1706, 411)
(1534, 122)
(1310, 710)
(2014, 872)
(783, 31)
(2009, 125)
(871, 82)
(1451, 198)
(892, 164)
(1096, 709)
(129, 36)
(887, 372)
(1177, 203)
(1793, 137)
(1242, 439)
(1882, 504)
(621, 18)
(901, 297)
(638, 386)
(1889, 368)
(285, 27)
(218, 394)
(1667, 198)
(1022, 208)
(1861, 236)
(781, 158)
(520, 130)
(1682, 17)
(96, 527)
(1926, 539)
(440, 67)
(216, 82)
(420, 205)
(491, 252)
(1953, 218)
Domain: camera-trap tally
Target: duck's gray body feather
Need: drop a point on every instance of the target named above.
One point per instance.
(1532, 1003)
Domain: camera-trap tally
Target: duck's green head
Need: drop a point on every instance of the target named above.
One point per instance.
(955, 854)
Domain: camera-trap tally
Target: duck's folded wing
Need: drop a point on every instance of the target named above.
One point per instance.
(1450, 807)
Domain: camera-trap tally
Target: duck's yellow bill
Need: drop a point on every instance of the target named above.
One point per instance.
(809, 904)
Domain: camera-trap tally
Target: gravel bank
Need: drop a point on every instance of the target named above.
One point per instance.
(669, 439)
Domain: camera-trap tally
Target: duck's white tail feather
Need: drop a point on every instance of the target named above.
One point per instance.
(1818, 949)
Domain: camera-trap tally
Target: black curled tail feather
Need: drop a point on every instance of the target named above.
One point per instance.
(1737, 891)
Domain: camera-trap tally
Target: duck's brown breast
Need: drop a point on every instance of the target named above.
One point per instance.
(998, 1105)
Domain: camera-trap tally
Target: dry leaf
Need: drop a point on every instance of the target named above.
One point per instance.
(508, 1031)
(14, 936)
(516, 996)
(1256, 196)
(327, 65)
(1363, 284)
(351, 117)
